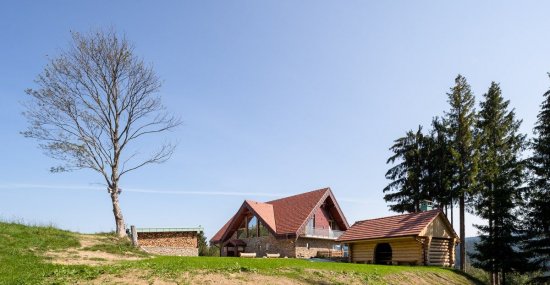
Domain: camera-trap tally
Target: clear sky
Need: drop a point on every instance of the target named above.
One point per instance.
(277, 97)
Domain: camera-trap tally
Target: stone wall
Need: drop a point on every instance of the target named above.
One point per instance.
(269, 244)
(286, 247)
(266, 244)
(177, 251)
(308, 247)
(168, 239)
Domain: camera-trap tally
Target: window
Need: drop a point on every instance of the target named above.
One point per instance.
(311, 223)
(253, 227)
(241, 231)
(263, 230)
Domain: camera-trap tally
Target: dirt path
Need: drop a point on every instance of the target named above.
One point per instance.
(81, 256)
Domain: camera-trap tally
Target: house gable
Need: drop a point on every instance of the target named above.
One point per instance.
(326, 207)
(262, 211)
(439, 227)
(286, 217)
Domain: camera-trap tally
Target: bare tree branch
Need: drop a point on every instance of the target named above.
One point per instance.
(92, 102)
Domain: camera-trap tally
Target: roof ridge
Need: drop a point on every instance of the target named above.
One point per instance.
(407, 214)
(300, 194)
(252, 201)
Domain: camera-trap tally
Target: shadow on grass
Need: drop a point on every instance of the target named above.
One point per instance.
(468, 276)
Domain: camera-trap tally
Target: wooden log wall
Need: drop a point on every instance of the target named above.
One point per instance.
(439, 252)
(362, 252)
(403, 250)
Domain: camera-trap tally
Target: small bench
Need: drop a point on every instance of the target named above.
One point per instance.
(273, 255)
(248, 255)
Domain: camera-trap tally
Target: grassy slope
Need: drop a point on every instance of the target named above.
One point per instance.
(20, 253)
(172, 267)
(22, 262)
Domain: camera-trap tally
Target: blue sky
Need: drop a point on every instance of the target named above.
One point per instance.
(277, 97)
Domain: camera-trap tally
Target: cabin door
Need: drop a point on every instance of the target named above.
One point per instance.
(382, 253)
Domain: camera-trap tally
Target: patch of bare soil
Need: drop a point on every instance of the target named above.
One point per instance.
(79, 256)
(142, 278)
(425, 278)
(314, 276)
(129, 277)
(240, 278)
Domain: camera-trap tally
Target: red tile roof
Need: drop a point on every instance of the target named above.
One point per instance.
(283, 216)
(265, 211)
(394, 226)
(292, 212)
(219, 234)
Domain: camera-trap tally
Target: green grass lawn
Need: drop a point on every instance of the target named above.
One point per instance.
(21, 248)
(289, 267)
(22, 261)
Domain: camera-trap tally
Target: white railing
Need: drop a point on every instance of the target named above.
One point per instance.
(323, 233)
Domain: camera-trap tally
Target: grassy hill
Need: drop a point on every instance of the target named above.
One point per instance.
(46, 255)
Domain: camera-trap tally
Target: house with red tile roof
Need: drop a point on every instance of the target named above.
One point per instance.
(425, 238)
(303, 225)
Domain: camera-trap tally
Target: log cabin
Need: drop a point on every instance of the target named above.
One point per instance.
(423, 238)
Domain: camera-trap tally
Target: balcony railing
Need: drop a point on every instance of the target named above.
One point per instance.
(323, 233)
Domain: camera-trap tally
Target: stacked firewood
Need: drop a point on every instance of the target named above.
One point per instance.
(168, 239)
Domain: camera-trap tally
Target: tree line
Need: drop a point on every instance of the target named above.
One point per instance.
(479, 160)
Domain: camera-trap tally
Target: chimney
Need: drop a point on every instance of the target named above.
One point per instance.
(426, 205)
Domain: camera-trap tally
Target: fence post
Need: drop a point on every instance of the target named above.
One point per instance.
(134, 236)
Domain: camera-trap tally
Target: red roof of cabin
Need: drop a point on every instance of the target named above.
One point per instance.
(283, 216)
(394, 226)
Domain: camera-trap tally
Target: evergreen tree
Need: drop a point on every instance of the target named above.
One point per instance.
(422, 172)
(203, 245)
(439, 173)
(538, 205)
(461, 120)
(405, 189)
(204, 249)
(500, 178)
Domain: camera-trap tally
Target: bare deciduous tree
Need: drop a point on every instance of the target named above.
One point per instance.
(93, 102)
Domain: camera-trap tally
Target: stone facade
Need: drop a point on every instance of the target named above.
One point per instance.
(269, 244)
(176, 251)
(301, 248)
(308, 247)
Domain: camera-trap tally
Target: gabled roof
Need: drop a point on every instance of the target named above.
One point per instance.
(291, 212)
(285, 216)
(394, 226)
(265, 211)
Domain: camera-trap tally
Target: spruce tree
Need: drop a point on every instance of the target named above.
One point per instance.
(422, 172)
(405, 189)
(538, 202)
(438, 178)
(461, 120)
(500, 178)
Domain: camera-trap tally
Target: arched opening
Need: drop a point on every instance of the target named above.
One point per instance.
(382, 253)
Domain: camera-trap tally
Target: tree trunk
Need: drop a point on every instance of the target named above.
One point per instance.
(452, 213)
(462, 234)
(119, 219)
(492, 273)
